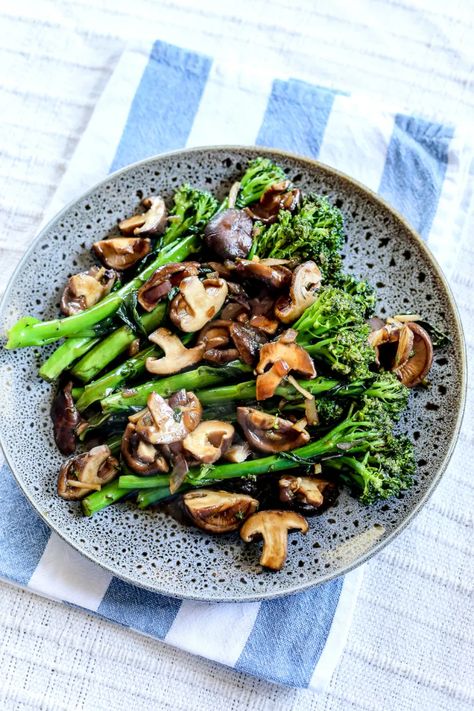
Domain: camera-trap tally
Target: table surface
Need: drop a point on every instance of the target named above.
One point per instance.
(410, 643)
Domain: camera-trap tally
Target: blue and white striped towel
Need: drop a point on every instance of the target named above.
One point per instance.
(168, 98)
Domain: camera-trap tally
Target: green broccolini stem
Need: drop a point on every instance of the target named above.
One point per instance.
(148, 497)
(203, 376)
(108, 383)
(108, 495)
(64, 355)
(113, 345)
(129, 481)
(27, 333)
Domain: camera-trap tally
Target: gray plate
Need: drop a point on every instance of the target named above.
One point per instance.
(150, 549)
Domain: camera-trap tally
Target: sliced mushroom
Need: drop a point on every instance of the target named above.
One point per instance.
(305, 282)
(248, 341)
(141, 457)
(87, 472)
(197, 303)
(215, 337)
(121, 252)
(176, 357)
(277, 197)
(229, 234)
(413, 357)
(415, 369)
(275, 276)
(153, 221)
(159, 285)
(304, 492)
(404, 347)
(86, 289)
(262, 310)
(273, 527)
(283, 358)
(162, 423)
(269, 433)
(65, 419)
(218, 511)
(209, 440)
(187, 406)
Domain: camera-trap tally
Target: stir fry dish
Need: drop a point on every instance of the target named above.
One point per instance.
(218, 363)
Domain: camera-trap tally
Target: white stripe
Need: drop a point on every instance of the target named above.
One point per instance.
(232, 108)
(64, 574)
(93, 157)
(447, 228)
(339, 632)
(215, 631)
(356, 140)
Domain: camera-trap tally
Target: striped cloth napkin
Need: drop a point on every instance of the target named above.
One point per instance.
(165, 98)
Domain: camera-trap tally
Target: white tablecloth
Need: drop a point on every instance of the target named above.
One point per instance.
(410, 645)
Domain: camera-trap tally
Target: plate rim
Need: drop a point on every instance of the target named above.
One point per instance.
(431, 259)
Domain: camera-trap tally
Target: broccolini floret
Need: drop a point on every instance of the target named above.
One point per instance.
(260, 175)
(315, 231)
(192, 209)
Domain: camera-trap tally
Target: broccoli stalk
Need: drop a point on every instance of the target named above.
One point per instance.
(64, 355)
(136, 398)
(116, 343)
(112, 380)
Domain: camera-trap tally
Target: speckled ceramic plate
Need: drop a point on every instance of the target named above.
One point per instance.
(150, 549)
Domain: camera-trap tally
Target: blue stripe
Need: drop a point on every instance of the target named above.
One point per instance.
(142, 610)
(23, 535)
(415, 167)
(296, 117)
(165, 104)
(289, 635)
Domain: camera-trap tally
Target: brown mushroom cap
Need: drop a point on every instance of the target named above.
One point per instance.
(158, 286)
(209, 440)
(121, 252)
(277, 197)
(229, 234)
(275, 276)
(65, 419)
(305, 282)
(153, 221)
(273, 527)
(87, 472)
(269, 433)
(218, 511)
(283, 357)
(141, 457)
(176, 357)
(86, 289)
(197, 303)
(415, 369)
